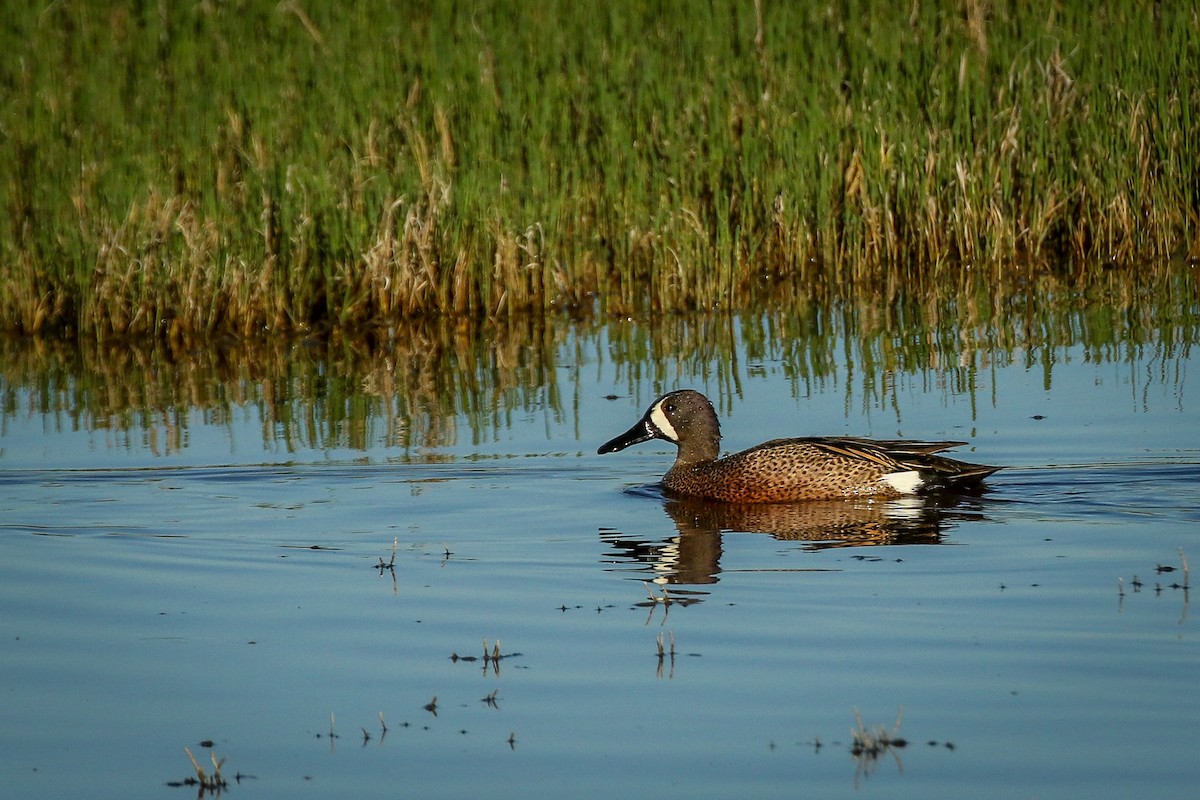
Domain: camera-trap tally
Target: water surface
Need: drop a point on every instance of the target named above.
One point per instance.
(189, 553)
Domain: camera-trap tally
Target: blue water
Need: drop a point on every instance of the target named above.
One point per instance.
(227, 590)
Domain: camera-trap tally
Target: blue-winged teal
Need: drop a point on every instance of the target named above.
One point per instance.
(781, 470)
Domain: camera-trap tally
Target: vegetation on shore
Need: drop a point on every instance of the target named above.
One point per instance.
(183, 170)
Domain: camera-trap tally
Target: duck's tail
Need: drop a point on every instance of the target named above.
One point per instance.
(940, 472)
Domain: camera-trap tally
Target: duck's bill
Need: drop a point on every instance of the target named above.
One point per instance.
(641, 432)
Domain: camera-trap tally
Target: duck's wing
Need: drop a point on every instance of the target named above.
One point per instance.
(909, 454)
(896, 446)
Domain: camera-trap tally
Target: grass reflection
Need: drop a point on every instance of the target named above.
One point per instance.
(413, 386)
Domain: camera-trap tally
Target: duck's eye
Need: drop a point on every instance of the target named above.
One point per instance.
(669, 408)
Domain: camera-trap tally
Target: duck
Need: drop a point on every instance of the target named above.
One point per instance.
(791, 469)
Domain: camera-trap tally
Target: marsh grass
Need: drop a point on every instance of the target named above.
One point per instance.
(187, 170)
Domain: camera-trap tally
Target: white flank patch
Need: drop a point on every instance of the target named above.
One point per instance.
(659, 419)
(904, 482)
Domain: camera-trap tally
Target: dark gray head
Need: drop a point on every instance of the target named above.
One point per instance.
(685, 418)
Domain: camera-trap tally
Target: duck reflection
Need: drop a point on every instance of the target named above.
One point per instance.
(693, 555)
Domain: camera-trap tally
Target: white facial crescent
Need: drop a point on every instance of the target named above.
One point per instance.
(659, 418)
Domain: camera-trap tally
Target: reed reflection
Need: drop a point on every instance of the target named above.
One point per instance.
(424, 385)
(413, 390)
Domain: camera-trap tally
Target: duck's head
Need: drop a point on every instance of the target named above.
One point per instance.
(685, 418)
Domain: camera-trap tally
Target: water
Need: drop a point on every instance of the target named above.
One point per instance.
(190, 553)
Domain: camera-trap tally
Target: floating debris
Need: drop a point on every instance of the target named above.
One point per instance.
(665, 599)
(390, 564)
(212, 784)
(490, 658)
(1178, 585)
(663, 652)
(870, 744)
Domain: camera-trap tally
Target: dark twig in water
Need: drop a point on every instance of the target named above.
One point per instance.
(490, 658)
(383, 731)
(654, 601)
(332, 735)
(664, 652)
(390, 564)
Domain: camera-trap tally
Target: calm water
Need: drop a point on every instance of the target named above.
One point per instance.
(195, 560)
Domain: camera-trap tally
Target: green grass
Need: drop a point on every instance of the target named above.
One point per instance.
(181, 170)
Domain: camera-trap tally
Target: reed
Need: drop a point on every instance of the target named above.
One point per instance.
(234, 168)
